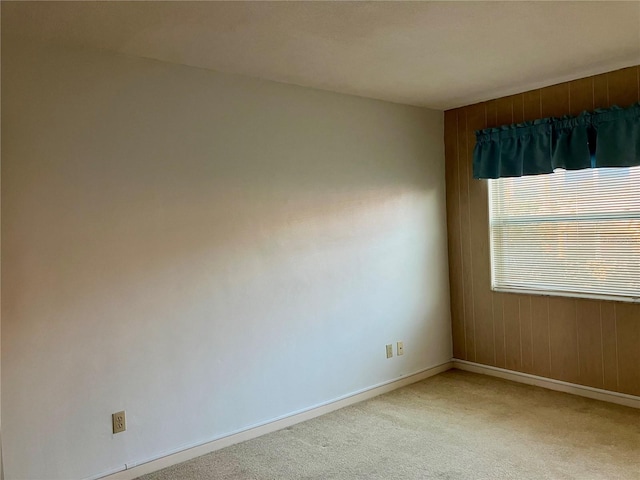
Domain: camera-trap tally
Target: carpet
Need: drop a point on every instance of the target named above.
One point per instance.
(456, 425)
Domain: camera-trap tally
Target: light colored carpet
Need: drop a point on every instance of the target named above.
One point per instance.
(456, 425)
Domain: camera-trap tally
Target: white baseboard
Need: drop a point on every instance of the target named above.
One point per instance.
(129, 471)
(551, 384)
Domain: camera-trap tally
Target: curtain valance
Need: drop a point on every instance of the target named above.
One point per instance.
(603, 138)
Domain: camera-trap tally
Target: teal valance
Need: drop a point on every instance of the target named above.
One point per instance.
(602, 138)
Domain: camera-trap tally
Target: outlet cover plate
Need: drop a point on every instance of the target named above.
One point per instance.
(119, 422)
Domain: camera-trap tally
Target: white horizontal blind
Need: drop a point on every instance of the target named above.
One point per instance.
(574, 233)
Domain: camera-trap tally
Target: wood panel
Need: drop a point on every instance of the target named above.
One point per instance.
(453, 222)
(628, 334)
(464, 177)
(595, 343)
(600, 92)
(540, 336)
(517, 102)
(590, 343)
(563, 335)
(504, 111)
(580, 96)
(526, 333)
(609, 345)
(511, 310)
(498, 329)
(555, 100)
(479, 245)
(532, 105)
(490, 115)
(623, 86)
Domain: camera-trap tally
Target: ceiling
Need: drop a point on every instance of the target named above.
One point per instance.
(434, 54)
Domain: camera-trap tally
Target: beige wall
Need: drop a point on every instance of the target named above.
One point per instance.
(205, 251)
(595, 343)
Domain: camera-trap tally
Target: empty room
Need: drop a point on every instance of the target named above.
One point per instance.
(265, 240)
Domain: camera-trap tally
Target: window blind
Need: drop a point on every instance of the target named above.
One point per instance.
(572, 233)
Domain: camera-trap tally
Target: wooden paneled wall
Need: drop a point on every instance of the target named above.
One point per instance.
(589, 342)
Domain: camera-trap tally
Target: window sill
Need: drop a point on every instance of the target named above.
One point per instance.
(545, 293)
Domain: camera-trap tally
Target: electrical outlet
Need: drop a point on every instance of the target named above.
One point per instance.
(119, 423)
(389, 351)
(400, 347)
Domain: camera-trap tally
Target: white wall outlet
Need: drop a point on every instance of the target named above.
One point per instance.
(389, 351)
(400, 348)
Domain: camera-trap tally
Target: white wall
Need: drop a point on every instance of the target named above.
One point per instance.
(205, 251)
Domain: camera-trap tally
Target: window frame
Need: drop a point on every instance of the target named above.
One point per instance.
(535, 291)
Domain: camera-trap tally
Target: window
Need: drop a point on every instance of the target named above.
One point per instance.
(570, 233)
